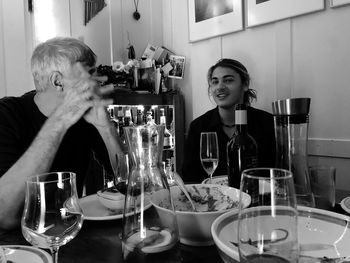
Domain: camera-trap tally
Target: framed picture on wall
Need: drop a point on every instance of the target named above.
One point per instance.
(211, 18)
(335, 3)
(178, 66)
(265, 11)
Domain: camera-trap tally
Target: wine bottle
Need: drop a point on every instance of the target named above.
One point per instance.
(167, 135)
(139, 118)
(128, 118)
(242, 150)
(149, 118)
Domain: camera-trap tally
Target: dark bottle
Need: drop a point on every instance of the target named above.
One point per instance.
(168, 140)
(128, 118)
(242, 150)
(139, 118)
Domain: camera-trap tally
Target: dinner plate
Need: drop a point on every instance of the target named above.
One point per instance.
(94, 210)
(27, 254)
(322, 235)
(220, 179)
(345, 204)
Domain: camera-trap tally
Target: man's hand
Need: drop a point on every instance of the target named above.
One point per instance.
(98, 115)
(83, 96)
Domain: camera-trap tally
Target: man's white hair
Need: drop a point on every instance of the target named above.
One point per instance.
(58, 54)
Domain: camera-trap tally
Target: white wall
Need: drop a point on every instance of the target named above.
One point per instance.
(96, 33)
(305, 56)
(14, 49)
(16, 42)
(2, 56)
(148, 29)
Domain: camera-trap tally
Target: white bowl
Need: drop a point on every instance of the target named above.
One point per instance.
(194, 227)
(322, 234)
(111, 198)
(220, 179)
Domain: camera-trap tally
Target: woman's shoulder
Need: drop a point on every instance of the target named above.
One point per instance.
(207, 118)
(258, 113)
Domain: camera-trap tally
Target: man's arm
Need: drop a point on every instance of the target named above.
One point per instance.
(37, 159)
(98, 116)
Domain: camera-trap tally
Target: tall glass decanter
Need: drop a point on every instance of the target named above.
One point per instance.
(291, 120)
(145, 236)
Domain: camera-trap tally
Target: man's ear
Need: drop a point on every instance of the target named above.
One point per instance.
(56, 80)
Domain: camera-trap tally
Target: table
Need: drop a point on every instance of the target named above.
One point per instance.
(98, 241)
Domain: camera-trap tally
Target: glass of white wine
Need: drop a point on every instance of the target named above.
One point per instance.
(267, 229)
(209, 152)
(52, 215)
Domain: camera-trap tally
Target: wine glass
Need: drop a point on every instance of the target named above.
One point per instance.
(209, 152)
(52, 215)
(267, 229)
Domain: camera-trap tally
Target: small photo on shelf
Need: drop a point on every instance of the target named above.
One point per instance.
(178, 64)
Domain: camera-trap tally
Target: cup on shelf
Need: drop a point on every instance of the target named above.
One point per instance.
(322, 180)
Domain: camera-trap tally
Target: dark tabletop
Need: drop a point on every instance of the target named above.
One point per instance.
(98, 241)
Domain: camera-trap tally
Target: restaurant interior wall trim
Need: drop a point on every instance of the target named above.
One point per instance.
(304, 56)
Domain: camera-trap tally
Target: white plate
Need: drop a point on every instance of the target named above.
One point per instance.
(27, 254)
(345, 204)
(220, 179)
(94, 210)
(315, 226)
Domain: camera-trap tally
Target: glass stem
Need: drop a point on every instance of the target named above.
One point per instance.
(210, 177)
(54, 254)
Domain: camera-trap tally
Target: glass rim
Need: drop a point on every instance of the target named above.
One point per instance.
(209, 132)
(31, 179)
(286, 173)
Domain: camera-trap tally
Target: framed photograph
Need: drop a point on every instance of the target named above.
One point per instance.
(265, 11)
(335, 3)
(210, 18)
(178, 67)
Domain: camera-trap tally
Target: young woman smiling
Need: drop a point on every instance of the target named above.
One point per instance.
(228, 85)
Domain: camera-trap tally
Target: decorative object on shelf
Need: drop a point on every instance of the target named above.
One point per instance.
(92, 7)
(336, 3)
(136, 14)
(213, 18)
(131, 50)
(178, 66)
(266, 11)
(116, 74)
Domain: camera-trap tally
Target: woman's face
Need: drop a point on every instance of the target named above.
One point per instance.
(226, 87)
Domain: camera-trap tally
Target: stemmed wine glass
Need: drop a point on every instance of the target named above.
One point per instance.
(52, 215)
(209, 152)
(267, 229)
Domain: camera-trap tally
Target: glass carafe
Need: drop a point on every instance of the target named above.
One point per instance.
(291, 120)
(145, 236)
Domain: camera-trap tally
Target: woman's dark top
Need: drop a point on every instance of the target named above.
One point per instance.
(260, 127)
(81, 147)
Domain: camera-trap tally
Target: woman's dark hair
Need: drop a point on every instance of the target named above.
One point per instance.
(250, 94)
